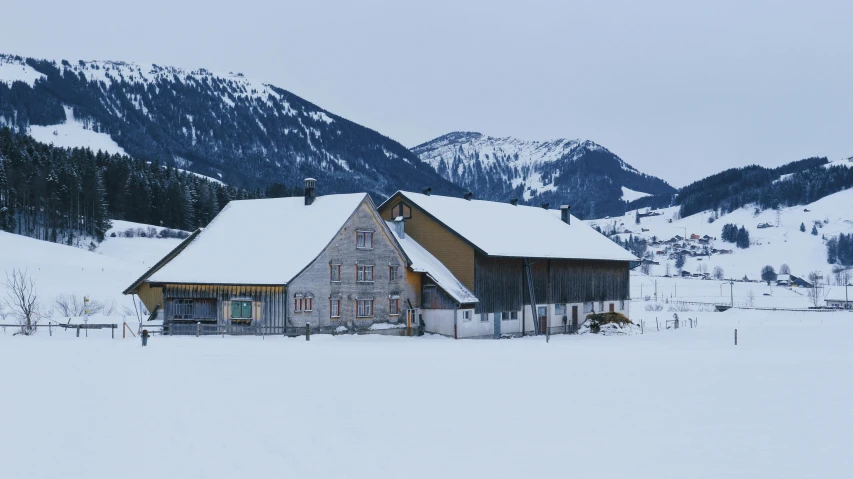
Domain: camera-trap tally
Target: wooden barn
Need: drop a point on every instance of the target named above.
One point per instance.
(274, 266)
(531, 270)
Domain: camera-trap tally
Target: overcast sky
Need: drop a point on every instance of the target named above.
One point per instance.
(678, 89)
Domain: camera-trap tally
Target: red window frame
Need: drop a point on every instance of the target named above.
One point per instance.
(363, 237)
(394, 307)
(332, 304)
(361, 273)
(358, 308)
(332, 268)
(297, 305)
(308, 304)
(393, 273)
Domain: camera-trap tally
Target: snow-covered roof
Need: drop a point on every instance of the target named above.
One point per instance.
(424, 262)
(266, 241)
(839, 294)
(501, 229)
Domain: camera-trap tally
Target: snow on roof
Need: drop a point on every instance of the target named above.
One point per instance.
(501, 229)
(424, 262)
(839, 294)
(266, 241)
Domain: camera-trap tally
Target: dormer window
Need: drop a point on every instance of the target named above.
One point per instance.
(364, 239)
(401, 209)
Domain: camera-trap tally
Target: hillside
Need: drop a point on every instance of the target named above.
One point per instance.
(581, 173)
(225, 126)
(66, 270)
(775, 245)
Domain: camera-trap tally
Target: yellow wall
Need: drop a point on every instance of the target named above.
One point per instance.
(445, 245)
(150, 296)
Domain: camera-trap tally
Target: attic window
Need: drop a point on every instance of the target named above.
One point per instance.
(401, 209)
(364, 239)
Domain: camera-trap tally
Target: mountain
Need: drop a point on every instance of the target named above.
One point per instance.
(581, 173)
(244, 132)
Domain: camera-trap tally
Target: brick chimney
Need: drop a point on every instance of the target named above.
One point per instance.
(310, 192)
(564, 214)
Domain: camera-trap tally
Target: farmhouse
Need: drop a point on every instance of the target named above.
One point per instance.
(839, 297)
(530, 269)
(271, 266)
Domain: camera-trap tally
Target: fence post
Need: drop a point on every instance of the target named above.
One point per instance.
(113, 329)
(197, 328)
(735, 336)
(78, 330)
(308, 332)
(50, 329)
(657, 323)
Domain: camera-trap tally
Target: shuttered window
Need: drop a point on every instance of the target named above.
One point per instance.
(241, 310)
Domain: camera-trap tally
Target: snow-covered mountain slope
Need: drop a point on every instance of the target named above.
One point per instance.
(246, 133)
(102, 275)
(774, 245)
(579, 172)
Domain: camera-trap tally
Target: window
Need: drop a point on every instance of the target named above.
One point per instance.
(365, 308)
(364, 273)
(509, 316)
(241, 310)
(335, 273)
(308, 304)
(335, 308)
(466, 315)
(394, 272)
(403, 210)
(559, 309)
(394, 306)
(183, 309)
(297, 304)
(484, 317)
(364, 239)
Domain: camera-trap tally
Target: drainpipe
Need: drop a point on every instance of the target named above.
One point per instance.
(284, 323)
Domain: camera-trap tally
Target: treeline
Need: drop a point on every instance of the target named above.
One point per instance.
(839, 250)
(738, 187)
(732, 234)
(636, 245)
(69, 195)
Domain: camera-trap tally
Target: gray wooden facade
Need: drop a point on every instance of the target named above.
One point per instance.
(500, 283)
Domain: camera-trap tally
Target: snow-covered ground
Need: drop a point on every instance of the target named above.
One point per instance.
(66, 270)
(786, 244)
(630, 195)
(74, 133)
(664, 404)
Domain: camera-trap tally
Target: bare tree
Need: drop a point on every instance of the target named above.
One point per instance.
(74, 306)
(646, 268)
(814, 277)
(750, 298)
(816, 294)
(22, 299)
(718, 272)
(784, 269)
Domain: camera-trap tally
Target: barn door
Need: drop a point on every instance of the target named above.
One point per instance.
(497, 321)
(542, 313)
(611, 307)
(574, 319)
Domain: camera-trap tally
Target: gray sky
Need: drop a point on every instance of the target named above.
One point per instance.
(677, 89)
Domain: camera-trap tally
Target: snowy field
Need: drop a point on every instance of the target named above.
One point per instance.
(664, 404)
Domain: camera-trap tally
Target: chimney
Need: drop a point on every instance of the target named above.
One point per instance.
(468, 195)
(564, 214)
(427, 190)
(400, 226)
(514, 202)
(545, 205)
(310, 193)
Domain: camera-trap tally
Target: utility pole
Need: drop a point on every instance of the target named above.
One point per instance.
(732, 291)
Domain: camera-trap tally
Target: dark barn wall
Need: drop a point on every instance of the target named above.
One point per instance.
(269, 301)
(501, 285)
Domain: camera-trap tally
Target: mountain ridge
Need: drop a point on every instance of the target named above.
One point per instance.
(580, 172)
